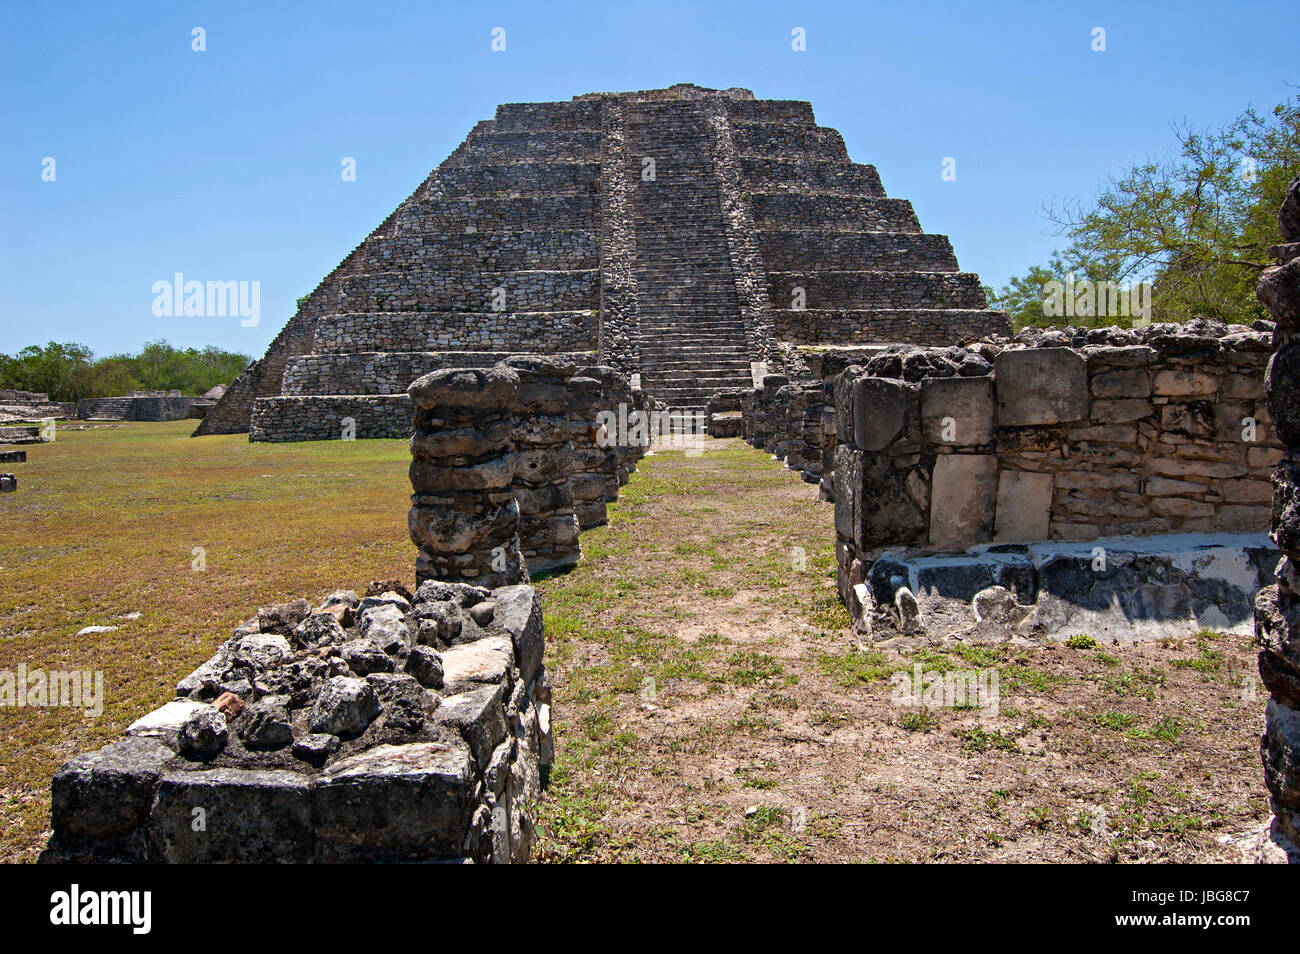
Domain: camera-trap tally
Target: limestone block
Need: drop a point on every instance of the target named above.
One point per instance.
(1120, 411)
(1124, 383)
(1185, 384)
(107, 794)
(249, 815)
(1024, 507)
(395, 802)
(957, 410)
(963, 499)
(1041, 386)
(879, 411)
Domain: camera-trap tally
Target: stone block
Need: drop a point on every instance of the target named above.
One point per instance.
(247, 815)
(107, 794)
(963, 499)
(408, 802)
(879, 411)
(1041, 386)
(957, 411)
(1185, 384)
(1123, 383)
(1024, 507)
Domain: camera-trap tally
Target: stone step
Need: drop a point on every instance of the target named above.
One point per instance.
(810, 175)
(506, 330)
(936, 326)
(385, 372)
(538, 177)
(497, 251)
(862, 288)
(422, 289)
(773, 211)
(823, 249)
(483, 214)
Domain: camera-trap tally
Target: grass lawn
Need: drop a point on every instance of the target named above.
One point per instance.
(710, 703)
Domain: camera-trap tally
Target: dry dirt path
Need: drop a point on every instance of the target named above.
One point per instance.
(711, 705)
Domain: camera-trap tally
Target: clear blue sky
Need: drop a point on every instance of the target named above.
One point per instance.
(224, 165)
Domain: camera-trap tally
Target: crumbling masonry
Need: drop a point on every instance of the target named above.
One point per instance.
(1277, 609)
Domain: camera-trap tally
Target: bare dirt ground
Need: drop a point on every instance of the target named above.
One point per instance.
(711, 704)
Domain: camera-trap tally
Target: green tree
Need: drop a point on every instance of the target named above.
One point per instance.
(69, 371)
(1196, 223)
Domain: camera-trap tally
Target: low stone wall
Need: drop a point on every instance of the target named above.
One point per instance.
(1059, 436)
(141, 408)
(789, 420)
(383, 729)
(322, 418)
(724, 413)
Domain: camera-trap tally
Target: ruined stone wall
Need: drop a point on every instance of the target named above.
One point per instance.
(140, 408)
(1277, 608)
(1062, 437)
(321, 418)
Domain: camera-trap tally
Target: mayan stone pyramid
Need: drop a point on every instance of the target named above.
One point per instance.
(681, 234)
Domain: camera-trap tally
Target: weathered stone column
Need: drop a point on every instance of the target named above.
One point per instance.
(774, 407)
(586, 481)
(544, 462)
(463, 516)
(610, 465)
(1277, 608)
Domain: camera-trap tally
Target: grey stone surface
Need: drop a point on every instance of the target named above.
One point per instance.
(1041, 386)
(1024, 507)
(879, 410)
(963, 500)
(958, 411)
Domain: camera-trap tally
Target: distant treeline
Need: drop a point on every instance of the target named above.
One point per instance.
(70, 371)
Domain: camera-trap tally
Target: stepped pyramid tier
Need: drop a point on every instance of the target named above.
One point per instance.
(682, 234)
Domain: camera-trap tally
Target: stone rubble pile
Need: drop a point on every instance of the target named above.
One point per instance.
(396, 727)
